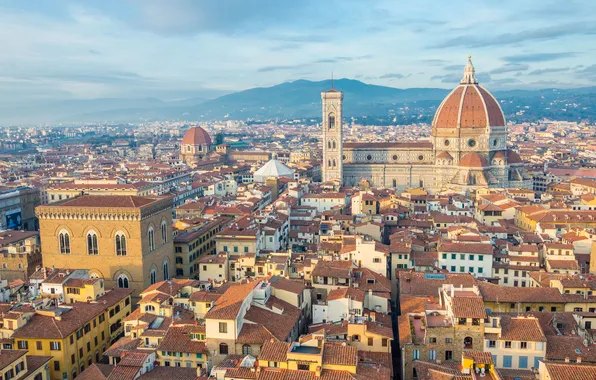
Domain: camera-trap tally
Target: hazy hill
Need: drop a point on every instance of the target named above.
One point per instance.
(302, 99)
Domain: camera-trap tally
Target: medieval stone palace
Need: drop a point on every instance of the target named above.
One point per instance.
(467, 149)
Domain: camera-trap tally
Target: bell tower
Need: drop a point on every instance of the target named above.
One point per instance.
(332, 134)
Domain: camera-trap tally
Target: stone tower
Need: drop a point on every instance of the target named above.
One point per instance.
(332, 135)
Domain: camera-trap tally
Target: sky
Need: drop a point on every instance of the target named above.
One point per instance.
(176, 49)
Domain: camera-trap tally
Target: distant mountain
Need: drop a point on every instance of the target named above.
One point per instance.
(301, 99)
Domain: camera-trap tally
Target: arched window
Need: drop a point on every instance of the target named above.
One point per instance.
(120, 244)
(188, 148)
(334, 163)
(92, 243)
(329, 144)
(149, 308)
(151, 239)
(122, 281)
(331, 120)
(246, 349)
(334, 144)
(94, 275)
(468, 343)
(164, 231)
(329, 163)
(64, 241)
(223, 349)
(153, 276)
(166, 269)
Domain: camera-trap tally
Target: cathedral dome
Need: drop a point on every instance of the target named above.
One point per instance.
(473, 160)
(469, 105)
(196, 136)
(513, 157)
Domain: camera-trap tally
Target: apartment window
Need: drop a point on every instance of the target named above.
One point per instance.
(462, 256)
(448, 355)
(507, 361)
(453, 268)
(432, 340)
(480, 258)
(272, 364)
(523, 345)
(448, 340)
(370, 341)
(384, 342)
(462, 269)
(376, 260)
(303, 367)
(432, 355)
(462, 321)
(39, 345)
(492, 344)
(223, 327)
(453, 256)
(444, 256)
(72, 359)
(88, 346)
(56, 365)
(578, 309)
(523, 362)
(508, 344)
(55, 346)
(235, 249)
(471, 269)
(471, 257)
(480, 269)
(245, 249)
(23, 345)
(416, 355)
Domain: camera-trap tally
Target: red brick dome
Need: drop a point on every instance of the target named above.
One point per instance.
(473, 160)
(444, 156)
(469, 105)
(196, 136)
(513, 157)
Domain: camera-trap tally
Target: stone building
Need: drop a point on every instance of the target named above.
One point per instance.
(467, 148)
(126, 240)
(19, 254)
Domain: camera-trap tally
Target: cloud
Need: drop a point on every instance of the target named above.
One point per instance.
(268, 69)
(510, 67)
(538, 34)
(548, 70)
(538, 57)
(454, 67)
(505, 81)
(455, 78)
(341, 59)
(434, 62)
(393, 75)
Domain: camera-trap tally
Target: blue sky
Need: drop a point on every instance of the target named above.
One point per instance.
(175, 49)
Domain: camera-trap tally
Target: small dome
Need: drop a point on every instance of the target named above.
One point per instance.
(473, 160)
(499, 155)
(196, 136)
(513, 157)
(469, 105)
(444, 156)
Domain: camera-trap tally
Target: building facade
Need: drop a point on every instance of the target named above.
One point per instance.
(467, 149)
(125, 240)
